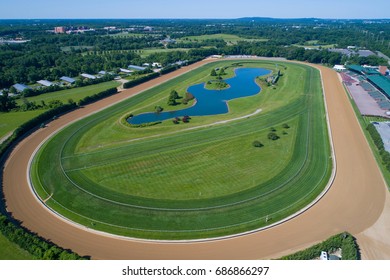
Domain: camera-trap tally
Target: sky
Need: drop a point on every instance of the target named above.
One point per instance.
(79, 9)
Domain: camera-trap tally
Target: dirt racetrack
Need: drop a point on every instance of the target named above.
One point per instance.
(354, 203)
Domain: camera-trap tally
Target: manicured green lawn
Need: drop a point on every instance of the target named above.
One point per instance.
(76, 93)
(10, 251)
(228, 38)
(10, 121)
(147, 52)
(168, 182)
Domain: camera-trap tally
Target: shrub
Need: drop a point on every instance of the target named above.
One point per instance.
(98, 96)
(345, 241)
(36, 246)
(273, 136)
(257, 144)
(141, 80)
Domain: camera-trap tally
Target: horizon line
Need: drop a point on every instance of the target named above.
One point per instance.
(194, 18)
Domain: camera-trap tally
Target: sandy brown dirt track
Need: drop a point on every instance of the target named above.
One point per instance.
(354, 203)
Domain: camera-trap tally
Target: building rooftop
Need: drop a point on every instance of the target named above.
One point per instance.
(139, 68)
(365, 53)
(125, 70)
(88, 76)
(67, 79)
(45, 83)
(20, 87)
(381, 82)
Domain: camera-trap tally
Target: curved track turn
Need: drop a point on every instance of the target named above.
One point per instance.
(354, 203)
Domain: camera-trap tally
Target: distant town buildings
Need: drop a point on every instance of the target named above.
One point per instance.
(59, 29)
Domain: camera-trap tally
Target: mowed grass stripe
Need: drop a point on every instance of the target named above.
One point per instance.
(302, 179)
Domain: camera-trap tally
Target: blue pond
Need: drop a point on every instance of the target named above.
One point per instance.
(211, 102)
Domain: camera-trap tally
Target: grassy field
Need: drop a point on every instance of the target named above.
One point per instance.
(10, 121)
(228, 38)
(168, 182)
(10, 251)
(147, 52)
(75, 93)
(314, 44)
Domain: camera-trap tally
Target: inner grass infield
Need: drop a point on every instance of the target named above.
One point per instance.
(193, 180)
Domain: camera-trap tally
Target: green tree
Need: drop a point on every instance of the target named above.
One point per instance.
(171, 101)
(273, 136)
(7, 103)
(174, 94)
(158, 109)
(257, 144)
(213, 73)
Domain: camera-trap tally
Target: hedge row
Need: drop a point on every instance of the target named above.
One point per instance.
(141, 80)
(169, 69)
(345, 241)
(379, 144)
(36, 246)
(33, 123)
(98, 96)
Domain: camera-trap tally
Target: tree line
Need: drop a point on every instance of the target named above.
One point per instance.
(376, 137)
(345, 241)
(39, 248)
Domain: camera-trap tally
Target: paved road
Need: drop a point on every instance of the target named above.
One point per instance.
(354, 203)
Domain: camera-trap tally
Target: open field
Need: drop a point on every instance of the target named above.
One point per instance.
(75, 93)
(10, 251)
(357, 173)
(147, 52)
(10, 121)
(228, 38)
(313, 44)
(196, 183)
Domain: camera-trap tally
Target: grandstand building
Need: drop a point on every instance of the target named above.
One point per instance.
(375, 78)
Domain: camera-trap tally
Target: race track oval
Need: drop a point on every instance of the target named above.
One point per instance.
(354, 202)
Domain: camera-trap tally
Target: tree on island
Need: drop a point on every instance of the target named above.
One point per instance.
(172, 98)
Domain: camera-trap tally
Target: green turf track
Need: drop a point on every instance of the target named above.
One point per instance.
(193, 184)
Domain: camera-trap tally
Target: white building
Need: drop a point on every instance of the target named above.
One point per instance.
(339, 68)
(88, 76)
(324, 256)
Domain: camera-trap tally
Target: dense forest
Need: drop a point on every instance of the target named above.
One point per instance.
(49, 56)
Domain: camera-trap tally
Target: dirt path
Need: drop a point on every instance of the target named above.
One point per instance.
(354, 202)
